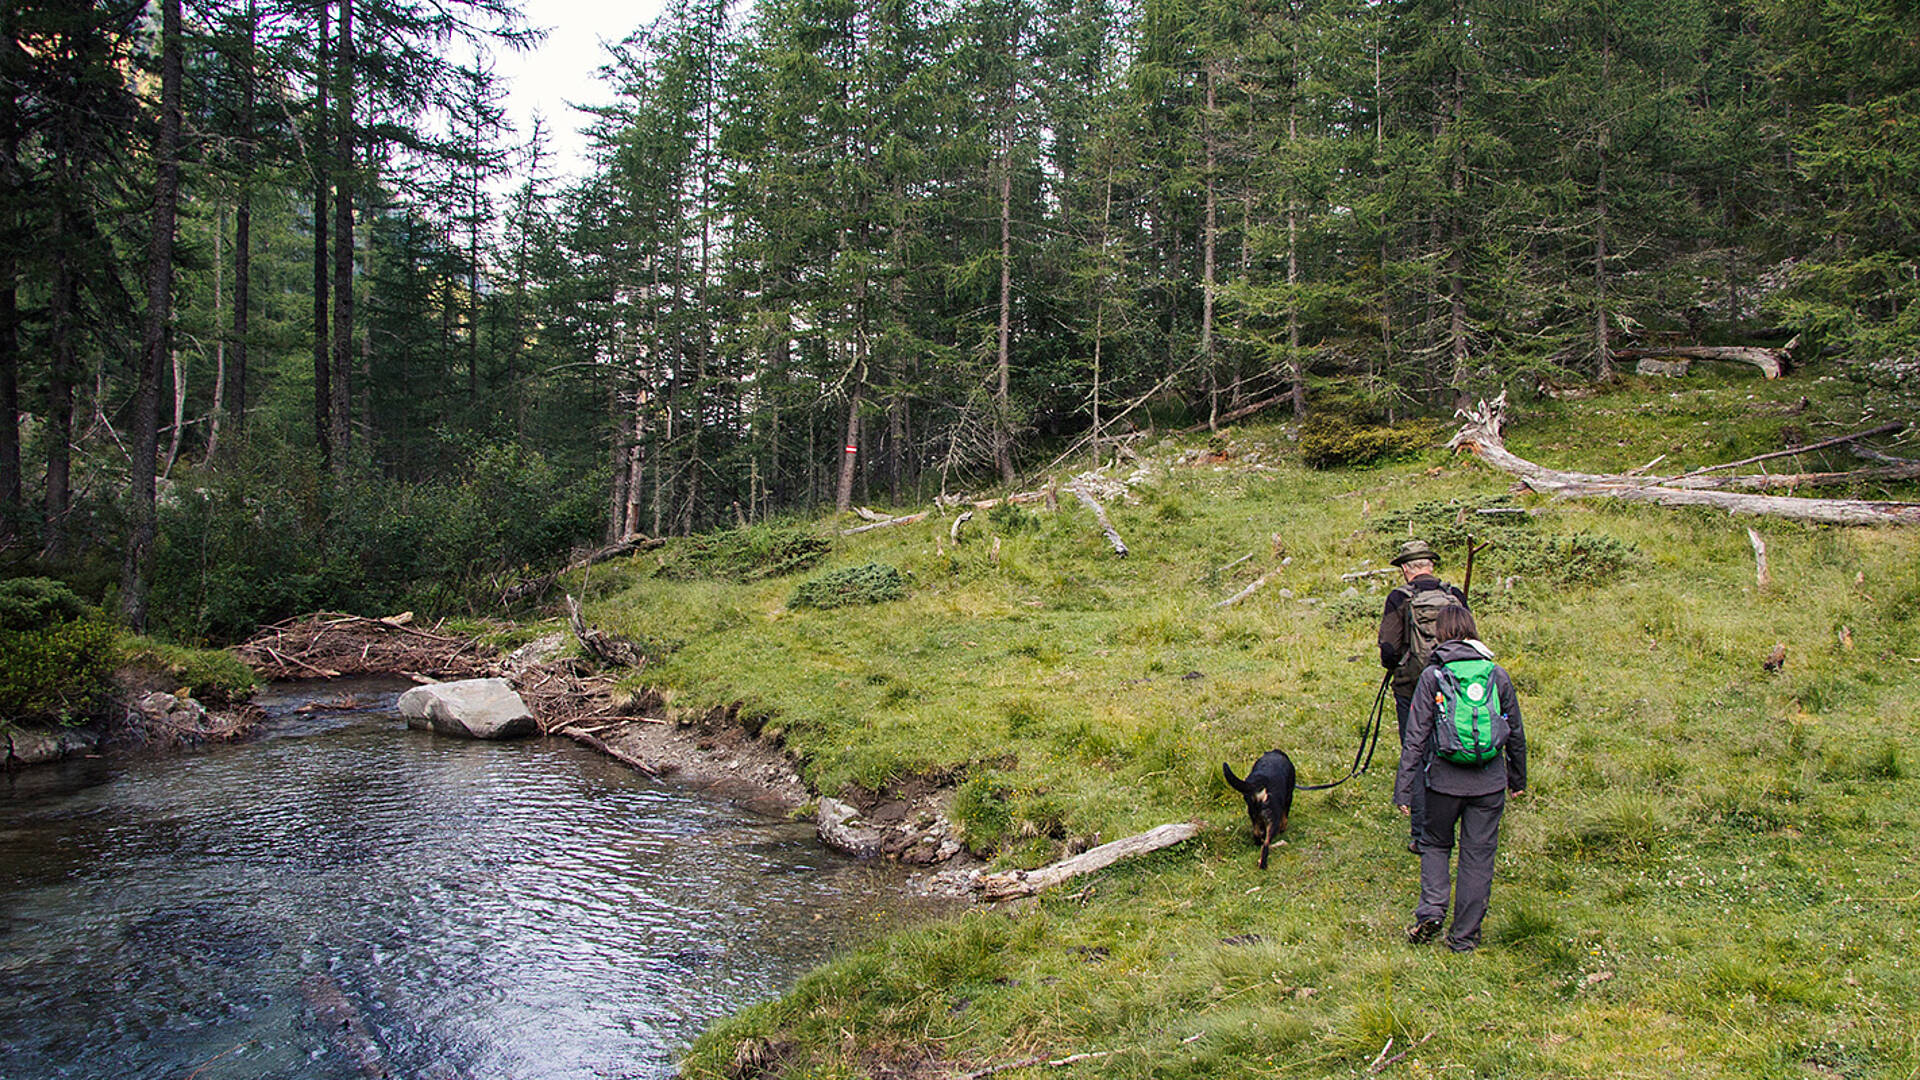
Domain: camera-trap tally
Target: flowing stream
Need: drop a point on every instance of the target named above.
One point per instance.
(344, 898)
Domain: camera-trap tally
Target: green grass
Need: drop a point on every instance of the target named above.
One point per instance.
(1716, 872)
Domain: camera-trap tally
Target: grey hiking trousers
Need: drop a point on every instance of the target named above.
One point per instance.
(1477, 818)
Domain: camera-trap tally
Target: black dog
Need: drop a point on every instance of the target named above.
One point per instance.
(1268, 790)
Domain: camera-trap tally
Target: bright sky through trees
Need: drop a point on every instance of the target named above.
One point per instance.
(563, 71)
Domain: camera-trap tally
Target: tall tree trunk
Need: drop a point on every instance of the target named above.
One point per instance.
(322, 249)
(219, 351)
(154, 338)
(1209, 241)
(338, 412)
(1003, 362)
(12, 61)
(1603, 355)
(243, 228)
(10, 508)
(622, 473)
(1296, 365)
(1456, 233)
(850, 454)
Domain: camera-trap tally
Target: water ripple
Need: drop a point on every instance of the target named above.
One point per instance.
(346, 896)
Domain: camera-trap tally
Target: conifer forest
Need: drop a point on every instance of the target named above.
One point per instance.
(292, 318)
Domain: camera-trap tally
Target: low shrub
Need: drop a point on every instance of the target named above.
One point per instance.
(36, 603)
(58, 673)
(1514, 543)
(771, 549)
(872, 583)
(1333, 442)
(212, 676)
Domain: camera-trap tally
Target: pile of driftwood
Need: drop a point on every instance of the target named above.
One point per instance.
(327, 644)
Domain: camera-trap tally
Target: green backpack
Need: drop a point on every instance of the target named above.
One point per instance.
(1469, 725)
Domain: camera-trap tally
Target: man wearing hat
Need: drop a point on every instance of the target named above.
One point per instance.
(1407, 639)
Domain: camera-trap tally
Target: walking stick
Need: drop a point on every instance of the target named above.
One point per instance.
(1466, 582)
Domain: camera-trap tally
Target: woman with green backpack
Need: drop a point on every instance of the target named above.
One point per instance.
(1465, 743)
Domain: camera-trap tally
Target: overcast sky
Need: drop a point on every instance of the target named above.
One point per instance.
(562, 71)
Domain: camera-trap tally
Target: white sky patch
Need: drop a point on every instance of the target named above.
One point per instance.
(563, 71)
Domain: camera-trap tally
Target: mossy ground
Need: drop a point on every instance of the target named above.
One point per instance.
(1716, 871)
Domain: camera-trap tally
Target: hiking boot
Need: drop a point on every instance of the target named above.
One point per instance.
(1423, 931)
(1461, 946)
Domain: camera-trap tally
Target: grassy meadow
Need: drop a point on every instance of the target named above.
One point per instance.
(1715, 872)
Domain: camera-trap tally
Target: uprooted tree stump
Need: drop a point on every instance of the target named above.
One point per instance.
(327, 645)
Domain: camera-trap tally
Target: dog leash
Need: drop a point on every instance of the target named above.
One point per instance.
(1369, 738)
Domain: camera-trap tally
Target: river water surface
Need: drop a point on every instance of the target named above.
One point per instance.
(345, 898)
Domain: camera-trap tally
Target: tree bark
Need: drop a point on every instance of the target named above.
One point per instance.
(156, 332)
(850, 453)
(1003, 364)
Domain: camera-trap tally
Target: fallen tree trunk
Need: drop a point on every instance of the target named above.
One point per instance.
(908, 520)
(1773, 481)
(1480, 435)
(1792, 451)
(1257, 584)
(1012, 883)
(1772, 362)
(527, 590)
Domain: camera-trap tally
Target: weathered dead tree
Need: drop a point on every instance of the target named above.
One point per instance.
(1012, 883)
(953, 534)
(602, 646)
(327, 645)
(1761, 575)
(1257, 585)
(889, 523)
(1481, 436)
(1100, 515)
(1771, 362)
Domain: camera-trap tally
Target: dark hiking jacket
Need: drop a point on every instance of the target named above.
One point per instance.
(1417, 757)
(1395, 639)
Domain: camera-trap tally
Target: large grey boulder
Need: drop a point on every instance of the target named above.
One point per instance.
(842, 828)
(470, 708)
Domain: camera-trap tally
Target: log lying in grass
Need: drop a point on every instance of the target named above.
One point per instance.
(1013, 883)
(1481, 436)
(907, 520)
(1256, 586)
(1772, 362)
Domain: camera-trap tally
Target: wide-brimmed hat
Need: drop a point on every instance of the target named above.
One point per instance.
(1415, 549)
